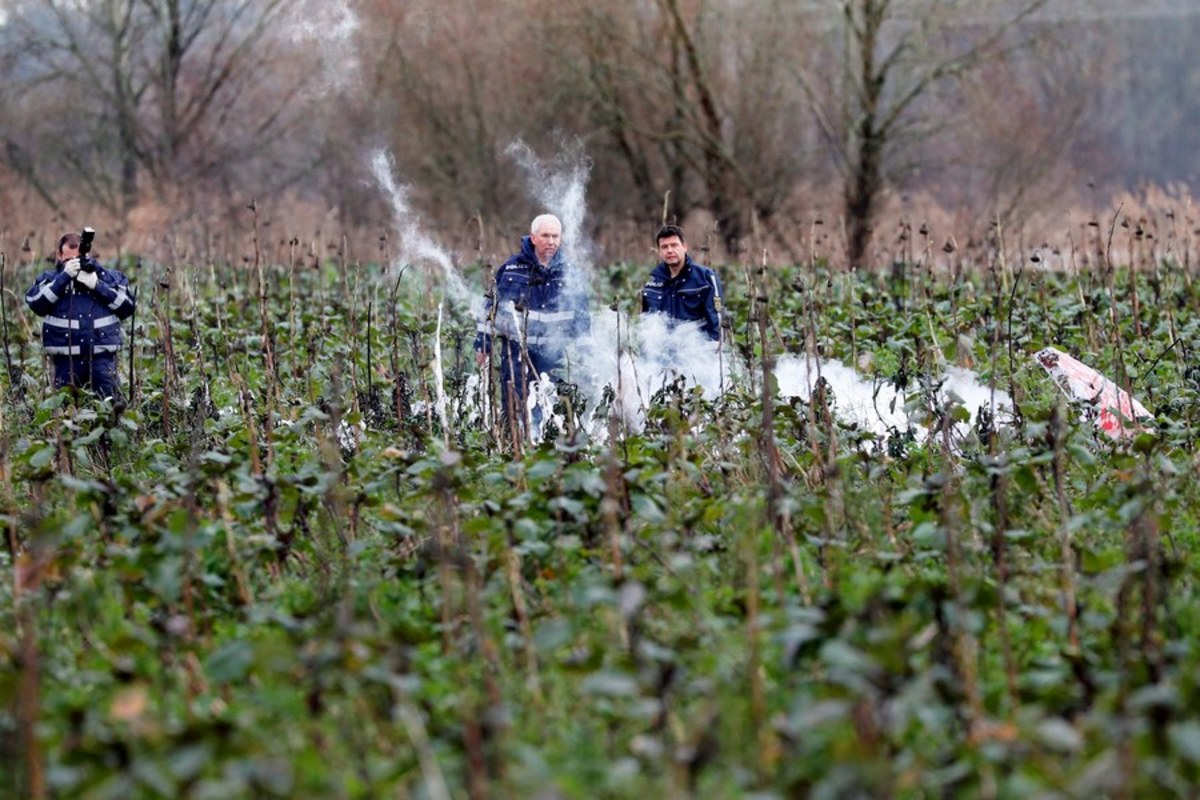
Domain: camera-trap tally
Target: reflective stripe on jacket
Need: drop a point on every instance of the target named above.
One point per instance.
(76, 319)
(534, 304)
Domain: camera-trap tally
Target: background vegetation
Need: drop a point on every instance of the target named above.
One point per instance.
(160, 120)
(226, 587)
(273, 571)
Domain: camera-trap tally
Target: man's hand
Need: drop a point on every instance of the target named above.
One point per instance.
(71, 267)
(88, 279)
(480, 358)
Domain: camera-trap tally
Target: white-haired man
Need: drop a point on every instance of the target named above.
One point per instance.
(536, 309)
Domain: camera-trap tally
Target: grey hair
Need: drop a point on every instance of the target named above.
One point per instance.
(542, 219)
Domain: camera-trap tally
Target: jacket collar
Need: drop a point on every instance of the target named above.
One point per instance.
(663, 272)
(528, 256)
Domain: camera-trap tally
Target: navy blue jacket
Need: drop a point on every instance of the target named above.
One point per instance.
(694, 295)
(536, 302)
(78, 320)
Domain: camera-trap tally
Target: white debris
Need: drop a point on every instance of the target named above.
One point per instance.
(350, 435)
(1114, 410)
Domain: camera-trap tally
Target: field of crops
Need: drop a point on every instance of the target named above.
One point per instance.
(280, 571)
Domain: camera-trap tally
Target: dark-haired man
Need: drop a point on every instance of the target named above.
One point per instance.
(680, 288)
(82, 305)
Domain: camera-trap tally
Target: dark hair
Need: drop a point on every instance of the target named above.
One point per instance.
(667, 231)
(67, 238)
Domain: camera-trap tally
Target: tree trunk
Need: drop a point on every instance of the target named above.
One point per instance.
(862, 195)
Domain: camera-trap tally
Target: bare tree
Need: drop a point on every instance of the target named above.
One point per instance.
(893, 55)
(1022, 118)
(165, 89)
(692, 99)
(758, 111)
(447, 111)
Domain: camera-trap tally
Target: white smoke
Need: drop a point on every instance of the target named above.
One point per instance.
(621, 364)
(964, 386)
(878, 406)
(439, 379)
(330, 26)
(875, 406)
(415, 246)
(618, 367)
(560, 186)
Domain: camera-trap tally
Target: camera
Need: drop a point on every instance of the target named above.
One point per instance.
(85, 246)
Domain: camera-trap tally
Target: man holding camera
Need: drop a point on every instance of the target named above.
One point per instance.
(82, 305)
